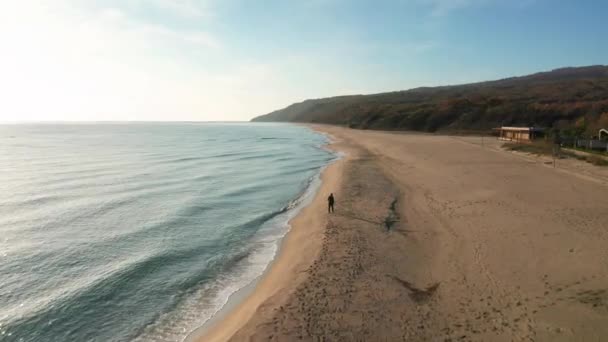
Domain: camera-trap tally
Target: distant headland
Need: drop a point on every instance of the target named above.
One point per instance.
(566, 98)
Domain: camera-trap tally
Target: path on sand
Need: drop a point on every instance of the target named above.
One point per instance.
(437, 239)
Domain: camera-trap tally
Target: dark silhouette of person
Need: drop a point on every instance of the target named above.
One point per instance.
(330, 203)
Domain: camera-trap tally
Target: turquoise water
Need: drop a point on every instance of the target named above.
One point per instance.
(140, 232)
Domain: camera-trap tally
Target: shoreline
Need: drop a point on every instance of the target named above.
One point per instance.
(433, 239)
(242, 304)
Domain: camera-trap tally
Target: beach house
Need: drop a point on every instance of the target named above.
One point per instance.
(519, 134)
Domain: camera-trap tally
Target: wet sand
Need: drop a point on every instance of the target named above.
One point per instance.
(436, 238)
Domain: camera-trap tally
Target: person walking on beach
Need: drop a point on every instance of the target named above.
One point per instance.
(330, 203)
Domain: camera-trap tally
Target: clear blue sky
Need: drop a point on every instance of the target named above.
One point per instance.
(234, 59)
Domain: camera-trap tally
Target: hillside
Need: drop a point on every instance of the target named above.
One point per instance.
(564, 98)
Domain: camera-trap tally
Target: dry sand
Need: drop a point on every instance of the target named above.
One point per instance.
(437, 239)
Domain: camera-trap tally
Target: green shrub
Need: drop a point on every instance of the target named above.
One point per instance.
(597, 160)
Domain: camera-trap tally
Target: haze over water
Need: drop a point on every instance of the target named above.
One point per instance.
(121, 232)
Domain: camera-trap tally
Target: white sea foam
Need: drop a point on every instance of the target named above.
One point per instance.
(191, 317)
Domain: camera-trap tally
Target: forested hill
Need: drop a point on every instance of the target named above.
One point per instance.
(564, 98)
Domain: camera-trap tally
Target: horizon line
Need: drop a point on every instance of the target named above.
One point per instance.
(21, 122)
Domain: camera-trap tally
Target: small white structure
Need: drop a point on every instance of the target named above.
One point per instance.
(519, 134)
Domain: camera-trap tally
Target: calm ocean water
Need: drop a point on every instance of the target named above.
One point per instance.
(140, 232)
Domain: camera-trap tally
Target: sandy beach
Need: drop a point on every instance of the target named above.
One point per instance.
(437, 238)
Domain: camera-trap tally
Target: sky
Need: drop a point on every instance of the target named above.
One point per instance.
(231, 60)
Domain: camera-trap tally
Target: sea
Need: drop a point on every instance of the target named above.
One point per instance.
(142, 231)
